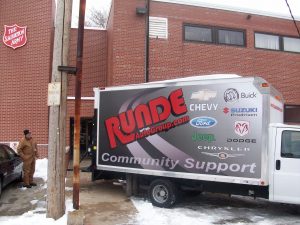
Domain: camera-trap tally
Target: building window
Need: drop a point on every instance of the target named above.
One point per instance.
(158, 27)
(277, 42)
(201, 34)
(214, 35)
(292, 113)
(291, 44)
(267, 41)
(290, 144)
(231, 37)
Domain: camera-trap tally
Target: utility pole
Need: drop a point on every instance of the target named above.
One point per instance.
(147, 24)
(57, 113)
(76, 153)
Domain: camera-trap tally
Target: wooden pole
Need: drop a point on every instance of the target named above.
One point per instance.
(76, 153)
(57, 114)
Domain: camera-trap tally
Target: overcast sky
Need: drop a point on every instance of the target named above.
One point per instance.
(272, 6)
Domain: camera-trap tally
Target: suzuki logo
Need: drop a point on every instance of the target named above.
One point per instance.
(203, 122)
(241, 128)
(226, 110)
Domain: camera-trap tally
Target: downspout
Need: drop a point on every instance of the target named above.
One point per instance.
(147, 42)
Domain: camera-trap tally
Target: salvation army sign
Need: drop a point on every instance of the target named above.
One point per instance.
(14, 36)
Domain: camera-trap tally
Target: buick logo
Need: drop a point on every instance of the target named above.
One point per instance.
(203, 122)
(231, 95)
(241, 128)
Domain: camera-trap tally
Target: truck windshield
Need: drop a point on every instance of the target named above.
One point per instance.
(290, 145)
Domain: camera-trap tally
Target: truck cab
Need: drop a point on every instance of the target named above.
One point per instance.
(284, 163)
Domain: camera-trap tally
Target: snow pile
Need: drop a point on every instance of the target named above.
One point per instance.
(149, 215)
(37, 216)
(214, 210)
(69, 188)
(41, 168)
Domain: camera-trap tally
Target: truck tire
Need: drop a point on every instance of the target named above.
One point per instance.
(162, 193)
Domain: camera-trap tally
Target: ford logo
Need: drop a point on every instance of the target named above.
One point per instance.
(203, 122)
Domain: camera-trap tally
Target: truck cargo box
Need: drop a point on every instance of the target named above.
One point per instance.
(199, 128)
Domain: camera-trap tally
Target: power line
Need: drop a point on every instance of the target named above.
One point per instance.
(286, 1)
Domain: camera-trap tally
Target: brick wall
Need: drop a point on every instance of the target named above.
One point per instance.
(116, 57)
(25, 71)
(174, 58)
(94, 71)
(126, 43)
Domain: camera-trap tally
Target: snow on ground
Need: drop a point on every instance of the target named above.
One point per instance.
(214, 210)
(205, 209)
(41, 168)
(149, 215)
(38, 215)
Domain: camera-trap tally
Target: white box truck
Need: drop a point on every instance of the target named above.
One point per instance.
(219, 133)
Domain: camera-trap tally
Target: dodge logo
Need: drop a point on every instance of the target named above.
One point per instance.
(241, 128)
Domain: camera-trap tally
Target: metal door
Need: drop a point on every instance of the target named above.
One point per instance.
(287, 166)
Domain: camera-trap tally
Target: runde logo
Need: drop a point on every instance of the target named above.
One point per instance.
(231, 95)
(241, 128)
(203, 122)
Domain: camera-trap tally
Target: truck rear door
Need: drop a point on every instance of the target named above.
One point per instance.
(287, 166)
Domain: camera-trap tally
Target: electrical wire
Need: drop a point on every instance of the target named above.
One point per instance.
(286, 1)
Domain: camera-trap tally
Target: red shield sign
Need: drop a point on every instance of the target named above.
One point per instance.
(14, 36)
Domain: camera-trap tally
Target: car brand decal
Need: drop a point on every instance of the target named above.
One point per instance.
(204, 95)
(231, 95)
(222, 155)
(203, 107)
(203, 137)
(203, 122)
(241, 140)
(241, 128)
(241, 111)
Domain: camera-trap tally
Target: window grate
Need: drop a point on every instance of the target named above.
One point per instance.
(158, 27)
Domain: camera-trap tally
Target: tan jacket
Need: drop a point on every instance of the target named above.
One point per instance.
(27, 149)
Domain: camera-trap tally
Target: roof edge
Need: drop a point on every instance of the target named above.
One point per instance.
(227, 8)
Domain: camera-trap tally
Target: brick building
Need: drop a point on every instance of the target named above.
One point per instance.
(185, 40)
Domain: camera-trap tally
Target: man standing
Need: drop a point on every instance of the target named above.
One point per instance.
(27, 149)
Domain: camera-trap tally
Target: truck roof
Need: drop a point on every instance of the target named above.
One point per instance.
(177, 80)
(281, 125)
(198, 77)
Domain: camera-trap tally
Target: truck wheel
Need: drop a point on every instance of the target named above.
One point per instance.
(162, 193)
